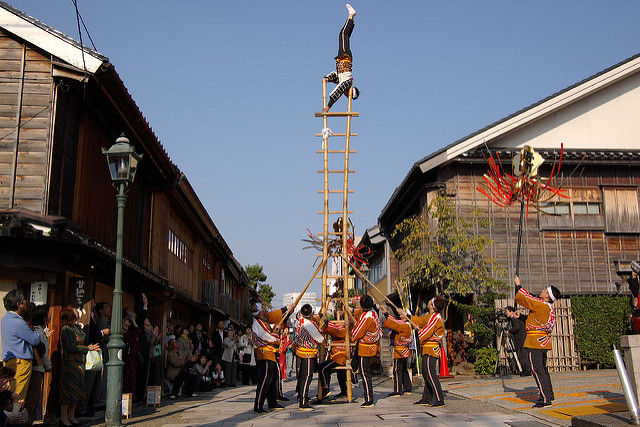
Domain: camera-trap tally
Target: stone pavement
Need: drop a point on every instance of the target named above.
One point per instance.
(480, 401)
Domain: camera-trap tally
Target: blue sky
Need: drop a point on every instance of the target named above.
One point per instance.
(230, 88)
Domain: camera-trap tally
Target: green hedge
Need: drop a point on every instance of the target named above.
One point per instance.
(600, 321)
(486, 358)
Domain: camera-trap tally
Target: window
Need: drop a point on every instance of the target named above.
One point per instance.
(581, 210)
(178, 247)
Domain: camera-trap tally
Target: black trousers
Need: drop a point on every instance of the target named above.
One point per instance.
(365, 371)
(326, 368)
(189, 383)
(538, 360)
(307, 367)
(343, 39)
(432, 389)
(523, 358)
(267, 378)
(401, 378)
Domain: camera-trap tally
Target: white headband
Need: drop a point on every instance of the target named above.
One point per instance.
(257, 310)
(553, 299)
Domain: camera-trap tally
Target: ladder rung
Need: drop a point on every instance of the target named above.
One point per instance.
(333, 233)
(339, 114)
(335, 191)
(330, 255)
(337, 171)
(334, 212)
(332, 277)
(338, 134)
(336, 151)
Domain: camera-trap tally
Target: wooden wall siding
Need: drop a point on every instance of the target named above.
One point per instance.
(94, 201)
(25, 120)
(621, 210)
(158, 245)
(577, 261)
(64, 153)
(563, 356)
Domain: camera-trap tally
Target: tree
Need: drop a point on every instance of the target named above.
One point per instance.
(255, 274)
(266, 294)
(444, 252)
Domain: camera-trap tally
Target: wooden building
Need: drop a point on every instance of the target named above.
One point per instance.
(586, 246)
(60, 104)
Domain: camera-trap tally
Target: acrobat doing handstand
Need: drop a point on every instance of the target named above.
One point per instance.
(342, 76)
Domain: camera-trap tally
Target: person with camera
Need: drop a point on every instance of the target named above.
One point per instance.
(519, 333)
(540, 322)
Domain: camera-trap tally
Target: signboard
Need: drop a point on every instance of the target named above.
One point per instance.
(154, 393)
(126, 404)
(38, 294)
(80, 291)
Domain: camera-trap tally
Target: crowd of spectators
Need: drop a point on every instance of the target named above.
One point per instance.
(194, 360)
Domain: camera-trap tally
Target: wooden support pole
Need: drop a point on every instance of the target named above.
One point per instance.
(371, 287)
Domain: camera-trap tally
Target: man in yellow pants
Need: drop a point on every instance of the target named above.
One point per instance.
(17, 342)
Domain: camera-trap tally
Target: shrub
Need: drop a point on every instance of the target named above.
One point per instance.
(485, 363)
(600, 321)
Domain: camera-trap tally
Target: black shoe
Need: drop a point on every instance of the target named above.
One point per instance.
(367, 404)
(276, 408)
(422, 402)
(438, 403)
(541, 404)
(230, 385)
(306, 407)
(260, 411)
(283, 399)
(395, 393)
(341, 394)
(408, 391)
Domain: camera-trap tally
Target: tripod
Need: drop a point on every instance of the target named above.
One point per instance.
(510, 352)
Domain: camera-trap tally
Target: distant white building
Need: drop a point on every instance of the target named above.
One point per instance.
(307, 298)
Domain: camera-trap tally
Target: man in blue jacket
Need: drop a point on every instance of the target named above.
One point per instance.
(18, 340)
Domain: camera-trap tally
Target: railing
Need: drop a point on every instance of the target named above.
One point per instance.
(210, 292)
(225, 303)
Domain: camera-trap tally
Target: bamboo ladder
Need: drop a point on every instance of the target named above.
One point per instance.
(327, 213)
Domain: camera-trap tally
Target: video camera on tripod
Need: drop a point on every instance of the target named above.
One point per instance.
(505, 342)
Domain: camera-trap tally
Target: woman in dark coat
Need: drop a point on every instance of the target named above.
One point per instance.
(73, 359)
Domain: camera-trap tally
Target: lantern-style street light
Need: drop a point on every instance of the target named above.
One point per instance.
(123, 164)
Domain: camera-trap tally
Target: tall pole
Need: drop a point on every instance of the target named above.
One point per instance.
(519, 244)
(115, 365)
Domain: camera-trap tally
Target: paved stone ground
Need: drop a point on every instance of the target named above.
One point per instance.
(480, 401)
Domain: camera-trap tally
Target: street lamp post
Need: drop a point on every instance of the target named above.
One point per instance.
(123, 164)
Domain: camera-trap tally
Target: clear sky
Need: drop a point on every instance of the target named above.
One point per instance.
(230, 89)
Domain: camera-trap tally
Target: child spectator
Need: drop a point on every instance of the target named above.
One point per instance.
(217, 376)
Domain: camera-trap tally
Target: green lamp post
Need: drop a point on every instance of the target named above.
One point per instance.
(123, 164)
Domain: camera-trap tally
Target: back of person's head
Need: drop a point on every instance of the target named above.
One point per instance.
(39, 315)
(6, 373)
(306, 310)
(439, 303)
(556, 292)
(6, 400)
(67, 316)
(12, 299)
(510, 308)
(366, 302)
